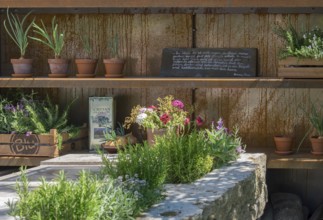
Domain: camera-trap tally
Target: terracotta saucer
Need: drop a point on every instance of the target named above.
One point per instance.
(85, 75)
(114, 76)
(283, 152)
(57, 75)
(21, 75)
(317, 153)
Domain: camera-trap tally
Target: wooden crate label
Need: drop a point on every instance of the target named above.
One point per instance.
(209, 62)
(23, 144)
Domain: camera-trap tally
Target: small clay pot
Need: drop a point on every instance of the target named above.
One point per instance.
(22, 66)
(114, 67)
(317, 145)
(86, 66)
(58, 67)
(284, 144)
(112, 147)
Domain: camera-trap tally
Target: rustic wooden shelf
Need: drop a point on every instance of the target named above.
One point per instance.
(301, 160)
(154, 82)
(154, 3)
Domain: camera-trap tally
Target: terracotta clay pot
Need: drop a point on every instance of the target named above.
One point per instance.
(22, 66)
(114, 67)
(284, 144)
(317, 145)
(152, 133)
(58, 67)
(86, 67)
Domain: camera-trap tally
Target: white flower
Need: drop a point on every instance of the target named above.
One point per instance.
(140, 118)
(142, 110)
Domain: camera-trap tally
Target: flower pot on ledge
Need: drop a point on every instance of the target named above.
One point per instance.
(22, 67)
(86, 67)
(284, 144)
(58, 68)
(317, 145)
(114, 67)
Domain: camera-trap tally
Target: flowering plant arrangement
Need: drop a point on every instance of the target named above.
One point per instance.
(169, 113)
(302, 45)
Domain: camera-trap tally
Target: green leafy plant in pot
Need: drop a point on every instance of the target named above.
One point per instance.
(117, 139)
(316, 120)
(284, 141)
(18, 30)
(55, 41)
(114, 65)
(86, 66)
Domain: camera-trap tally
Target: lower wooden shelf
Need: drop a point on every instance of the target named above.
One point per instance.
(300, 160)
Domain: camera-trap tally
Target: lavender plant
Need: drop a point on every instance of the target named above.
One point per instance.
(302, 45)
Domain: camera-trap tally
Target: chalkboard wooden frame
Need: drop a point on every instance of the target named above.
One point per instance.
(209, 62)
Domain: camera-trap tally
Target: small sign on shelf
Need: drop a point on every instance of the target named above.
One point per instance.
(102, 119)
(209, 62)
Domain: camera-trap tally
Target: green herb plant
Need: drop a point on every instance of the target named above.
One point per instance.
(114, 46)
(54, 40)
(302, 45)
(187, 156)
(18, 31)
(86, 198)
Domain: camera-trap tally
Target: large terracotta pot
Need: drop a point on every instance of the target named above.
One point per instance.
(317, 145)
(114, 67)
(86, 67)
(58, 67)
(22, 67)
(284, 144)
(152, 133)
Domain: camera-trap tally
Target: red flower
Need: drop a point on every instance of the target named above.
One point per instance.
(199, 121)
(187, 121)
(165, 118)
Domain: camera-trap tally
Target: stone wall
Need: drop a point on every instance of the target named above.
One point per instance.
(237, 191)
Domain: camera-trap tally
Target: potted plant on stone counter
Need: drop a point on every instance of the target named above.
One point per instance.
(55, 41)
(17, 30)
(86, 67)
(114, 65)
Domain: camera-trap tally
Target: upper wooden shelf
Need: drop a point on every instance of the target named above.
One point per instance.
(159, 4)
(152, 82)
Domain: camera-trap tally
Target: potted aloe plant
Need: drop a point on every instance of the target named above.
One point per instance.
(18, 32)
(55, 41)
(316, 121)
(114, 65)
(86, 67)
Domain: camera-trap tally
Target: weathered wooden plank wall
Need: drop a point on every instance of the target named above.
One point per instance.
(259, 113)
(141, 37)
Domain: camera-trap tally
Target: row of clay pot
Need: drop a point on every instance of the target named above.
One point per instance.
(58, 67)
(284, 145)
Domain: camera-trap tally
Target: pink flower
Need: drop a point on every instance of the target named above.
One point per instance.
(178, 104)
(165, 118)
(28, 133)
(199, 121)
(187, 121)
(153, 107)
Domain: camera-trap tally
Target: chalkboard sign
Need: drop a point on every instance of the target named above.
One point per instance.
(209, 62)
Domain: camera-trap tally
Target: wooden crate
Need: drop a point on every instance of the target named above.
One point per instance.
(293, 67)
(19, 149)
